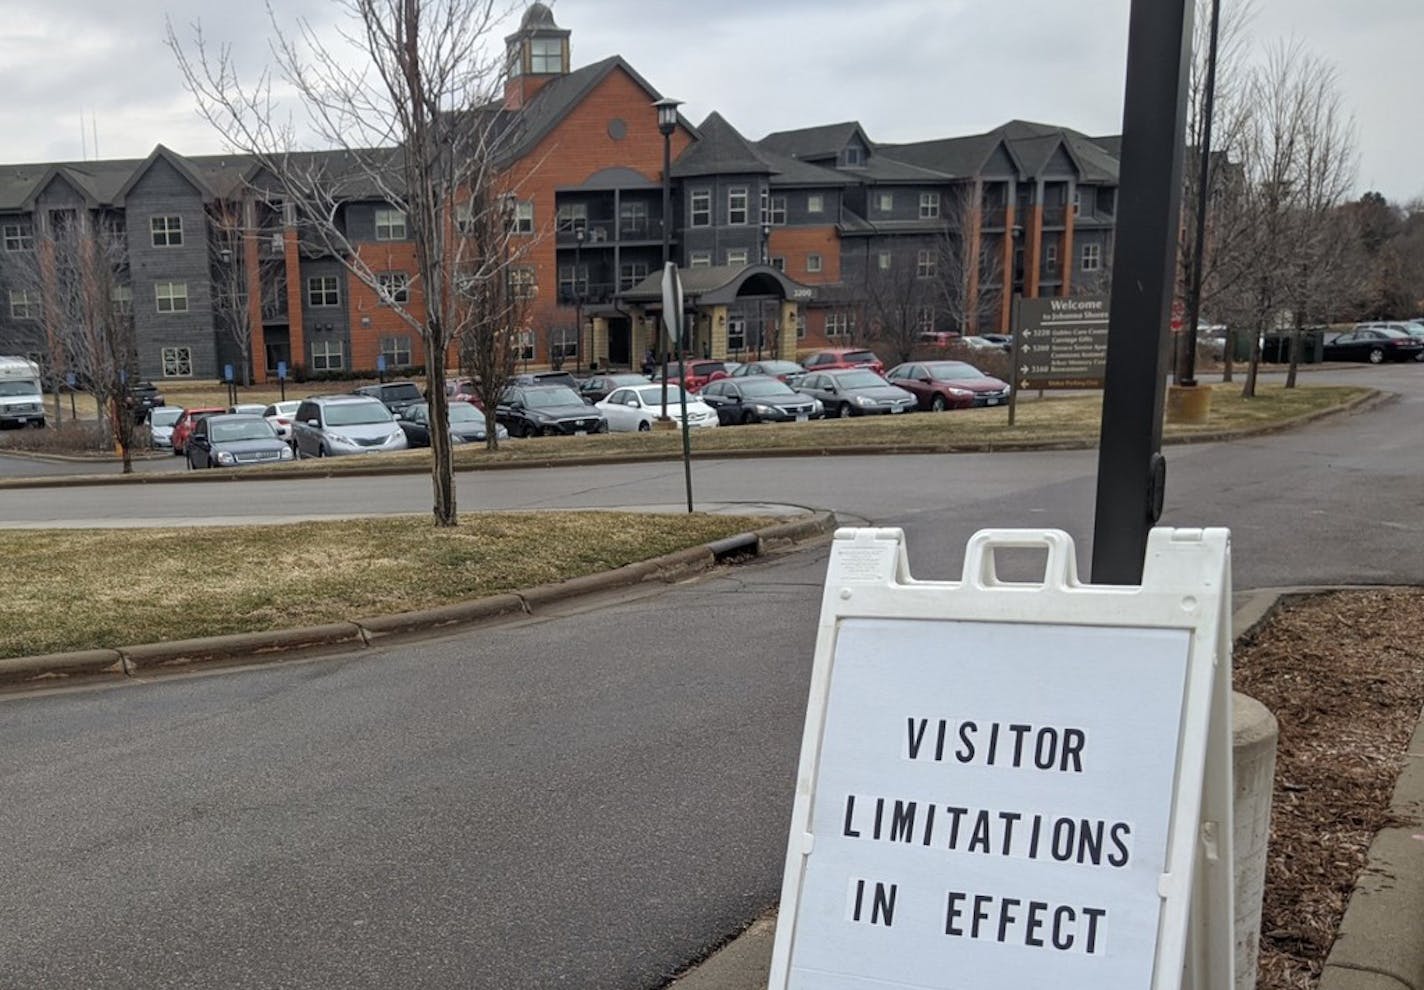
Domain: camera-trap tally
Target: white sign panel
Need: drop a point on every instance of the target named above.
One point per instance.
(994, 777)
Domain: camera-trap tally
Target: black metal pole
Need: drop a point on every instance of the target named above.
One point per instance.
(578, 304)
(1187, 368)
(667, 249)
(1131, 471)
(686, 441)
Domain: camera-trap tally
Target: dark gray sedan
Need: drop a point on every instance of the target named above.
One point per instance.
(467, 424)
(234, 439)
(855, 392)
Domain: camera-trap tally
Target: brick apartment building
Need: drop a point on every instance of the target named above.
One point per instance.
(790, 242)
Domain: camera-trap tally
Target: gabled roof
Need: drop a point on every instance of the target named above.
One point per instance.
(69, 178)
(180, 164)
(810, 143)
(792, 173)
(719, 150)
(557, 97)
(1028, 144)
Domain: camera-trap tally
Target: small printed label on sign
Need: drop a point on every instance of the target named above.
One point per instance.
(865, 564)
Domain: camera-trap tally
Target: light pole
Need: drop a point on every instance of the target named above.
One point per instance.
(761, 304)
(579, 287)
(1187, 365)
(667, 123)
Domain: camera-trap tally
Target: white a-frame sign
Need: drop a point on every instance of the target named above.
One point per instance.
(1007, 785)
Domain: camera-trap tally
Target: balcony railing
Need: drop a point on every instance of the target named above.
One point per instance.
(597, 233)
(994, 217)
(593, 293)
(1054, 216)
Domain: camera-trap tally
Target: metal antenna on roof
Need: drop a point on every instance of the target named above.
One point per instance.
(83, 139)
(94, 123)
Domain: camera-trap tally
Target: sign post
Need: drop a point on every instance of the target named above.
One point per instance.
(673, 320)
(1007, 785)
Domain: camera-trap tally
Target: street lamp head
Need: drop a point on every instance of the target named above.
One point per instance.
(667, 115)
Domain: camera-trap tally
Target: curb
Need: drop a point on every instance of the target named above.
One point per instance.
(130, 661)
(1369, 399)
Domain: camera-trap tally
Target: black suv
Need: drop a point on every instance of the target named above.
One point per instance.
(546, 410)
(143, 398)
(395, 396)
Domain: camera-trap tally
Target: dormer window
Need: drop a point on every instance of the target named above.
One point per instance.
(853, 156)
(546, 56)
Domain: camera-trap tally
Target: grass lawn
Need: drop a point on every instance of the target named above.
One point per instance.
(81, 589)
(1065, 419)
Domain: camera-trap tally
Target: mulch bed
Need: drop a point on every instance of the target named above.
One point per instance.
(1344, 675)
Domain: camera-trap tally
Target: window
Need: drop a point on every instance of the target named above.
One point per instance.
(700, 212)
(630, 273)
(177, 362)
(523, 222)
(521, 282)
(563, 343)
(700, 259)
(546, 56)
(736, 333)
(526, 345)
(1050, 259)
(773, 209)
(885, 201)
(573, 282)
(326, 355)
(778, 262)
(167, 231)
(813, 263)
(632, 219)
(1092, 257)
(390, 226)
(882, 261)
(1077, 201)
(925, 319)
(19, 236)
(737, 205)
(853, 156)
(800, 325)
(171, 297)
(840, 323)
(396, 351)
(925, 264)
(815, 203)
(572, 216)
(323, 290)
(24, 304)
(394, 286)
(929, 206)
(736, 256)
(121, 298)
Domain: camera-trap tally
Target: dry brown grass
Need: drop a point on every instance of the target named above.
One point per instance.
(1344, 675)
(79, 589)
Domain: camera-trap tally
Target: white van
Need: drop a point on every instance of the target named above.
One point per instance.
(21, 398)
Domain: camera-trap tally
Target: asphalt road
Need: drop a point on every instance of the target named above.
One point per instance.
(586, 800)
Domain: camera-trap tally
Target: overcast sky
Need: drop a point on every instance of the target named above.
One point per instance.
(906, 69)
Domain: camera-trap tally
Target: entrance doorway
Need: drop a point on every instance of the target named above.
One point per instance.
(620, 342)
(278, 349)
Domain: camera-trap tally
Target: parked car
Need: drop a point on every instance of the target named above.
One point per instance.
(979, 343)
(143, 398)
(1415, 329)
(787, 371)
(598, 387)
(185, 423)
(395, 396)
(332, 425)
(1003, 340)
(248, 408)
(160, 425)
(634, 409)
(758, 400)
(936, 338)
(855, 392)
(547, 410)
(844, 357)
(467, 424)
(545, 378)
(695, 373)
(234, 439)
(941, 385)
(1375, 345)
(279, 416)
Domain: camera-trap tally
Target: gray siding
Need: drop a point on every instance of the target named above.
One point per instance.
(326, 322)
(162, 191)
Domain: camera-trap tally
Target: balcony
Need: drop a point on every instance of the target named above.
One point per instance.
(994, 217)
(590, 294)
(1055, 216)
(601, 233)
(270, 244)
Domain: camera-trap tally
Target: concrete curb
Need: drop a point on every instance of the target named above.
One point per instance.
(1369, 399)
(1380, 945)
(23, 672)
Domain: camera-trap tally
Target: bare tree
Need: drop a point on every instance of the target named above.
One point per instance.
(966, 300)
(410, 125)
(78, 274)
(227, 238)
(901, 297)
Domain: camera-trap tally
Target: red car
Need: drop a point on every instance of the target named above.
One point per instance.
(844, 357)
(185, 423)
(941, 385)
(699, 373)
